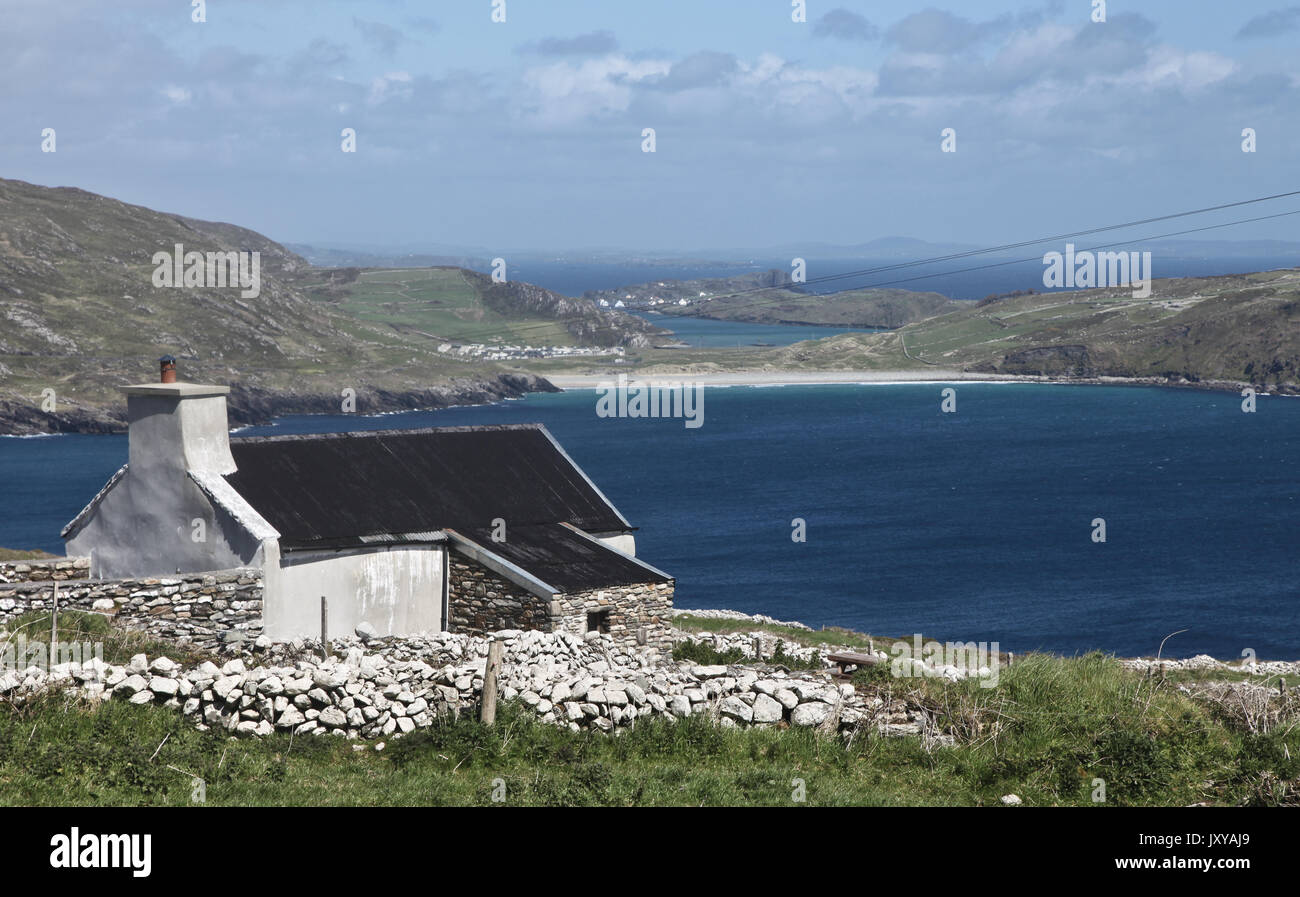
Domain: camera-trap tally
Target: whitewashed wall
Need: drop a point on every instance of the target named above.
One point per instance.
(398, 590)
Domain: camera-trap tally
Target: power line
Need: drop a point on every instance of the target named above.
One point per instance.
(1007, 246)
(1024, 261)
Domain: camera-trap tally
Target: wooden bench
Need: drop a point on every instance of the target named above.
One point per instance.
(848, 659)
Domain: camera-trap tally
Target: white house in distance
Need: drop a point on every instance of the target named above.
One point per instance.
(467, 529)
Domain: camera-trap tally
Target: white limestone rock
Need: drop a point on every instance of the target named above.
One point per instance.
(767, 710)
(164, 685)
(813, 713)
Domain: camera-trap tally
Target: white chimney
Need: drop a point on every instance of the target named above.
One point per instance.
(178, 427)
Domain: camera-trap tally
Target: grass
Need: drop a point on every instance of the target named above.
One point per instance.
(807, 637)
(1050, 728)
(25, 554)
(1188, 677)
(440, 304)
(811, 638)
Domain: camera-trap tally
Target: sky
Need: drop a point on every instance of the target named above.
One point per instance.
(527, 134)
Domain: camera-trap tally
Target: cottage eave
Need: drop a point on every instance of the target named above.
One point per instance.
(75, 525)
(224, 496)
(636, 560)
(374, 540)
(497, 564)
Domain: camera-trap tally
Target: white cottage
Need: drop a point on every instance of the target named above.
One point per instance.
(461, 528)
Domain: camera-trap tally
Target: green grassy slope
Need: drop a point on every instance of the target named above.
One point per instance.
(849, 308)
(1241, 328)
(1046, 733)
(457, 305)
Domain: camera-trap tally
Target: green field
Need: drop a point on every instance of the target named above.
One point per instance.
(441, 304)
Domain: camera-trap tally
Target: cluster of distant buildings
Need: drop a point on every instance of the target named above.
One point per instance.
(633, 300)
(503, 353)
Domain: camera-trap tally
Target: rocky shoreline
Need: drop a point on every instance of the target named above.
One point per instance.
(258, 406)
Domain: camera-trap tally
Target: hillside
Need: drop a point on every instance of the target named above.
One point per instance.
(1223, 332)
(744, 298)
(455, 304)
(1241, 329)
(82, 315)
(884, 308)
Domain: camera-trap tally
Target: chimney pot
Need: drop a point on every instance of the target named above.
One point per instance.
(168, 365)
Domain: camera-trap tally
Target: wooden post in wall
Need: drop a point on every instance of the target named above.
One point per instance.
(54, 629)
(324, 628)
(488, 713)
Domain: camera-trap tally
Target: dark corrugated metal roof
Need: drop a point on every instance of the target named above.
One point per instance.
(333, 489)
(564, 559)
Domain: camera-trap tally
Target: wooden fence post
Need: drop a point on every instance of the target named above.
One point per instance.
(488, 713)
(54, 629)
(324, 628)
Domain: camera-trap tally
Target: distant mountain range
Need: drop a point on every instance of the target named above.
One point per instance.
(883, 248)
(910, 249)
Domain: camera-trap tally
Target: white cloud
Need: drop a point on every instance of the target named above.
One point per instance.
(565, 92)
(1169, 67)
(394, 85)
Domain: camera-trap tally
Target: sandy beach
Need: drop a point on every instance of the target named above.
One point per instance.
(788, 378)
(876, 378)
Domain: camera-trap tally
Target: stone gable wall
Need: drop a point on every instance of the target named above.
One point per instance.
(479, 601)
(637, 614)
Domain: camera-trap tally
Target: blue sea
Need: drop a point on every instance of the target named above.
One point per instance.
(974, 525)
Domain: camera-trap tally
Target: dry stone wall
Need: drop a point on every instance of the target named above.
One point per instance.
(56, 569)
(213, 611)
(385, 687)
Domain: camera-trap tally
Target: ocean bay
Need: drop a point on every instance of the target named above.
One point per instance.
(974, 525)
